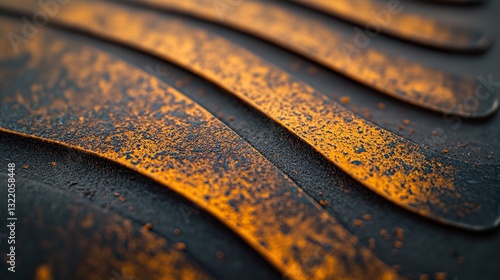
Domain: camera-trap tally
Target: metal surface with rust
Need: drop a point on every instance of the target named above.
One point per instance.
(398, 77)
(92, 102)
(74, 240)
(391, 18)
(425, 182)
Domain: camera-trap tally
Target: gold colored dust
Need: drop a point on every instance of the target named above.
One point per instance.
(440, 276)
(152, 132)
(396, 76)
(140, 252)
(358, 223)
(345, 100)
(43, 272)
(371, 243)
(424, 277)
(391, 166)
(140, 255)
(404, 24)
(180, 246)
(399, 233)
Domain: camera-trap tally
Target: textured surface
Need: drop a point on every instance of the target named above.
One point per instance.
(427, 248)
(396, 76)
(391, 18)
(151, 128)
(407, 174)
(91, 243)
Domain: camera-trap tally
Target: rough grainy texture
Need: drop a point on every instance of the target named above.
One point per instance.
(407, 174)
(135, 120)
(391, 18)
(78, 241)
(428, 248)
(398, 77)
(104, 245)
(97, 181)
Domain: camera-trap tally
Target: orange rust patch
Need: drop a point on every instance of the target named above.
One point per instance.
(371, 243)
(399, 233)
(147, 126)
(180, 246)
(440, 276)
(395, 168)
(109, 247)
(345, 100)
(43, 272)
(385, 234)
(358, 223)
(424, 277)
(394, 20)
(395, 76)
(142, 252)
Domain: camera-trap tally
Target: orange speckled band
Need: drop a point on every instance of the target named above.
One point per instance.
(398, 77)
(392, 18)
(407, 174)
(85, 99)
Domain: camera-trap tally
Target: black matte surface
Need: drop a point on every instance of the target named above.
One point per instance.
(428, 247)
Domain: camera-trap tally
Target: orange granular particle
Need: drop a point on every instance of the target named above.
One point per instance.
(440, 276)
(358, 223)
(180, 246)
(345, 100)
(399, 233)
